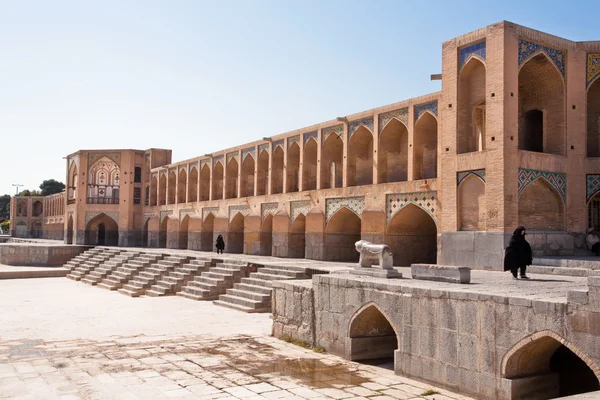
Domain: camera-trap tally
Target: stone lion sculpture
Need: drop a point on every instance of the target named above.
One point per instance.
(374, 254)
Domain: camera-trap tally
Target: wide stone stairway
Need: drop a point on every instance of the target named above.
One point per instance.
(80, 259)
(140, 284)
(93, 262)
(129, 270)
(175, 280)
(214, 282)
(108, 267)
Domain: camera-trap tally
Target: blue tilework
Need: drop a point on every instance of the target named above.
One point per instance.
(232, 156)
(251, 151)
(424, 200)
(268, 208)
(592, 67)
(263, 147)
(309, 135)
(218, 159)
(527, 49)
(233, 210)
(355, 204)
(477, 49)
(206, 211)
(592, 186)
(556, 179)
(401, 115)
(460, 176)
(338, 129)
(354, 125)
(278, 143)
(299, 207)
(421, 108)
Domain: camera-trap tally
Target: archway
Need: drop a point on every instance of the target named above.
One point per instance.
(331, 162)
(412, 236)
(297, 243)
(341, 233)
(471, 204)
(217, 181)
(293, 168)
(193, 186)
(309, 165)
(205, 183)
(393, 153)
(183, 232)
(172, 185)
(206, 238)
(22, 208)
(162, 233)
(277, 171)
(425, 147)
(70, 230)
(36, 230)
(231, 188)
(360, 158)
(37, 208)
(262, 173)
(371, 336)
(247, 183)
(266, 236)
(471, 107)
(593, 119)
(162, 190)
(153, 188)
(235, 236)
(541, 208)
(182, 187)
(145, 234)
(541, 107)
(102, 230)
(72, 185)
(548, 367)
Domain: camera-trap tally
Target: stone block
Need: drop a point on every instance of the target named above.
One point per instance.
(441, 273)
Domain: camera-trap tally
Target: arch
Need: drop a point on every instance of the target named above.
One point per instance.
(231, 189)
(266, 236)
(102, 230)
(153, 191)
(235, 235)
(182, 187)
(331, 162)
(341, 233)
(103, 182)
(247, 176)
(277, 171)
(262, 173)
(471, 204)
(217, 181)
(425, 147)
(541, 207)
(293, 168)
(593, 119)
(69, 238)
(551, 366)
(471, 114)
(541, 89)
(145, 233)
(392, 165)
(412, 236)
(162, 233)
(37, 208)
(360, 158)
(309, 165)
(206, 237)
(72, 184)
(36, 230)
(205, 183)
(193, 185)
(184, 232)
(297, 242)
(162, 190)
(22, 207)
(371, 334)
(172, 188)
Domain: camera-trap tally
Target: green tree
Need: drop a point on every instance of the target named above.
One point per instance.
(5, 226)
(5, 206)
(28, 192)
(51, 186)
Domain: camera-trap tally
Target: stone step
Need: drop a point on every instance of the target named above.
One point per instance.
(200, 294)
(206, 285)
(263, 298)
(131, 292)
(257, 282)
(287, 273)
(253, 288)
(241, 304)
(268, 277)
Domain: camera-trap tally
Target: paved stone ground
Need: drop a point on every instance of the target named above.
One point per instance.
(61, 339)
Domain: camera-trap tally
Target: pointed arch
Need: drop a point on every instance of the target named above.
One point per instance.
(293, 168)
(262, 173)
(297, 241)
(102, 230)
(471, 204)
(172, 188)
(162, 233)
(372, 334)
(541, 207)
(182, 187)
(342, 231)
(266, 236)
(360, 158)
(184, 232)
(72, 184)
(69, 235)
(277, 171)
(162, 190)
(205, 183)
(207, 237)
(193, 185)
(231, 189)
(331, 162)
(425, 147)
(412, 235)
(37, 208)
(235, 235)
(593, 119)
(247, 176)
(217, 181)
(309, 165)
(471, 114)
(393, 152)
(153, 191)
(145, 233)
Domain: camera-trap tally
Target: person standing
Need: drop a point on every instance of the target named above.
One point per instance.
(518, 254)
(220, 244)
(592, 241)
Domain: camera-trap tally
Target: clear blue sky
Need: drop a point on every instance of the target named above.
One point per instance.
(199, 76)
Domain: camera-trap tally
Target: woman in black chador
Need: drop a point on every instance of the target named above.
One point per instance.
(518, 254)
(220, 244)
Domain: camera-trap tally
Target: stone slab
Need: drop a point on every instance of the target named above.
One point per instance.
(38, 254)
(441, 273)
(376, 272)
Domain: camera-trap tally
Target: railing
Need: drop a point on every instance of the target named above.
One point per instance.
(102, 200)
(71, 201)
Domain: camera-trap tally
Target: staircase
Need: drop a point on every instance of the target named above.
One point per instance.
(129, 270)
(149, 276)
(80, 259)
(174, 281)
(209, 285)
(109, 266)
(92, 263)
(253, 294)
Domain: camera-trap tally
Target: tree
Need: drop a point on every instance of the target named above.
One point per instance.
(4, 226)
(28, 192)
(51, 186)
(5, 206)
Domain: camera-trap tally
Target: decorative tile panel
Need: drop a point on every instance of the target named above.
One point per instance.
(292, 140)
(93, 157)
(401, 115)
(528, 49)
(89, 215)
(209, 210)
(477, 49)
(355, 204)
(204, 162)
(593, 67)
(194, 164)
(557, 179)
(163, 173)
(338, 130)
(460, 176)
(263, 147)
(182, 168)
(148, 215)
(218, 159)
(592, 186)
(232, 156)
(186, 211)
(421, 108)
(164, 214)
(278, 143)
(268, 208)
(354, 125)
(233, 210)
(251, 151)
(299, 207)
(309, 135)
(424, 200)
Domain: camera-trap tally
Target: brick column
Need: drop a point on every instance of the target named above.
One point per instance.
(301, 165)
(269, 181)
(411, 144)
(210, 181)
(319, 153)
(345, 156)
(239, 180)
(255, 169)
(285, 161)
(375, 149)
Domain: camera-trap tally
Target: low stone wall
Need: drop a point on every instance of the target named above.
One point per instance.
(35, 254)
(292, 304)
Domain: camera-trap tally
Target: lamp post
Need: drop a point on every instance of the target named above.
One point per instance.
(17, 188)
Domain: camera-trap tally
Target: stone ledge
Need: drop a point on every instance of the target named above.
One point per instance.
(441, 273)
